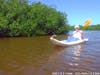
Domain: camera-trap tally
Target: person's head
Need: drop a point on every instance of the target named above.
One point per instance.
(76, 27)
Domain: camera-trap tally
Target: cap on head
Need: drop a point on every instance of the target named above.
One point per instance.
(76, 26)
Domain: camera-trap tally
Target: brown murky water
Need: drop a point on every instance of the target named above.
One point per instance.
(38, 56)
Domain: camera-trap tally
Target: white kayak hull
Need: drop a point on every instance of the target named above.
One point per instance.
(65, 43)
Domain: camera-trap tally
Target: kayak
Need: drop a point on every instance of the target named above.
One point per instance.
(65, 43)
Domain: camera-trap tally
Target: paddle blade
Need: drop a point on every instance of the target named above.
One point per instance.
(87, 22)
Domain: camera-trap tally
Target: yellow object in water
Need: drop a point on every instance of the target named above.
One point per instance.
(87, 22)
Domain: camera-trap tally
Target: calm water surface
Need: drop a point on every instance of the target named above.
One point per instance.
(38, 56)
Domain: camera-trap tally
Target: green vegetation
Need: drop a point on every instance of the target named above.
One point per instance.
(18, 18)
(91, 27)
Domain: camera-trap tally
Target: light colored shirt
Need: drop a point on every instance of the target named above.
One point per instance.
(78, 34)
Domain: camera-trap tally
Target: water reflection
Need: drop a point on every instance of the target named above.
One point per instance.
(66, 58)
(77, 51)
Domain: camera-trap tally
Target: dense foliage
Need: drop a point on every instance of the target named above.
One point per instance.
(18, 18)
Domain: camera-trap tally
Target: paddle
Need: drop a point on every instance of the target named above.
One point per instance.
(87, 22)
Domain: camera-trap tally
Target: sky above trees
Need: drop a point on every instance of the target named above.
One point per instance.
(77, 10)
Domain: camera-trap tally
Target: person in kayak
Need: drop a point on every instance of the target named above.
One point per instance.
(76, 35)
